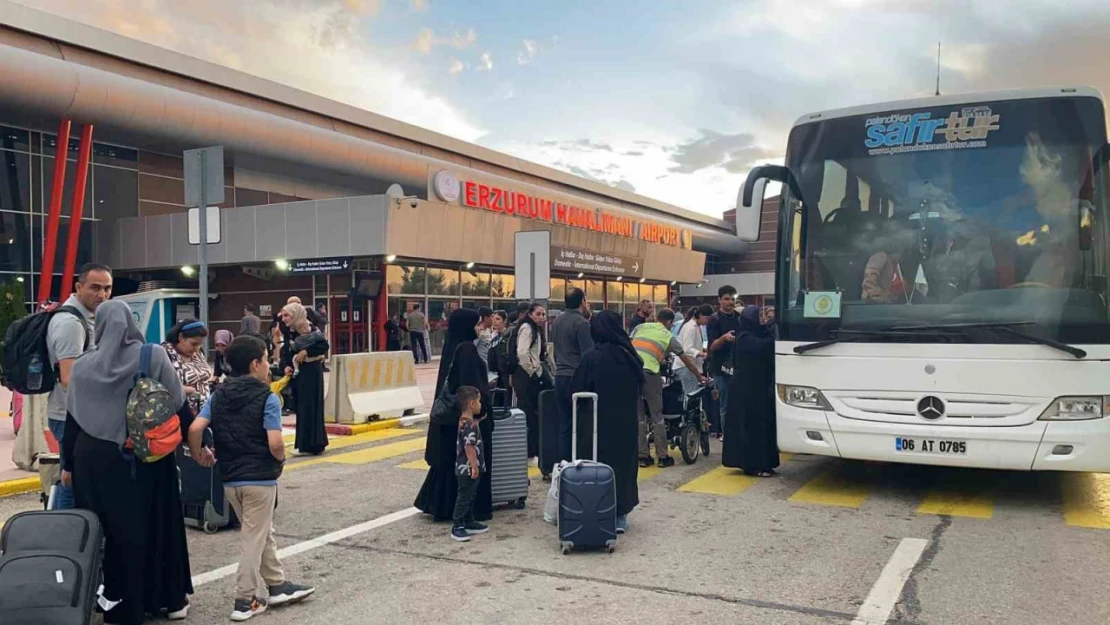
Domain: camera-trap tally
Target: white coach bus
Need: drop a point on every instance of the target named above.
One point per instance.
(941, 280)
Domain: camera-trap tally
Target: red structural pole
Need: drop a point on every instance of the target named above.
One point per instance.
(381, 310)
(77, 210)
(50, 238)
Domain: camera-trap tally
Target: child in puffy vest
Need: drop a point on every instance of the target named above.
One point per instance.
(245, 417)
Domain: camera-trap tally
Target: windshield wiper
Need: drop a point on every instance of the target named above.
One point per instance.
(856, 335)
(1010, 328)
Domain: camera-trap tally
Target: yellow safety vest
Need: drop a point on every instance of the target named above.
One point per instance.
(651, 341)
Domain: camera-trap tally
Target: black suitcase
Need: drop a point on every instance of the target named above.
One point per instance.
(202, 492)
(587, 495)
(50, 567)
(549, 432)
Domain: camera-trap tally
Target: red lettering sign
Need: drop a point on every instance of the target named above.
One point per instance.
(496, 199)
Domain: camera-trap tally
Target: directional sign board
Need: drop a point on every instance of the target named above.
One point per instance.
(532, 260)
(596, 263)
(204, 176)
(319, 265)
(212, 222)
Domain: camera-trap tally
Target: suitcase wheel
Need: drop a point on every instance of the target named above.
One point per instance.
(519, 503)
(612, 548)
(566, 550)
(210, 528)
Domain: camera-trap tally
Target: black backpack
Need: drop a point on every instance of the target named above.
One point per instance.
(24, 348)
(505, 350)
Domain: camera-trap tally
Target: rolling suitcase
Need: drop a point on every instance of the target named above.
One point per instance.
(50, 567)
(549, 432)
(202, 492)
(508, 451)
(587, 495)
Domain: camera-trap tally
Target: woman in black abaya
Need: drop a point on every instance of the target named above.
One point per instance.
(146, 556)
(614, 371)
(308, 385)
(460, 365)
(752, 443)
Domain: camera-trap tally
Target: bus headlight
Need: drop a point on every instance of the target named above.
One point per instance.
(803, 397)
(1075, 409)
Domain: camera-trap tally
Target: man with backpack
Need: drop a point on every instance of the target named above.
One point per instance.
(68, 335)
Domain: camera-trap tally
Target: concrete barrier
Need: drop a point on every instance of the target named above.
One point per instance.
(379, 384)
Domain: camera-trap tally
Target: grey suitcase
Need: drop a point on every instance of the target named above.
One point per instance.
(50, 567)
(509, 452)
(587, 495)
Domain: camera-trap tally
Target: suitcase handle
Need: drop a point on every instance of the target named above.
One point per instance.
(574, 423)
(494, 394)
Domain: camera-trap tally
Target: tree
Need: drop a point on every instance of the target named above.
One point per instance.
(12, 307)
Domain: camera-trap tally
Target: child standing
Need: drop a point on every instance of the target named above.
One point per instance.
(469, 465)
(245, 417)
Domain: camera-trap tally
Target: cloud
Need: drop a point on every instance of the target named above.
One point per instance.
(734, 153)
(457, 66)
(314, 45)
(426, 40)
(527, 52)
(419, 5)
(486, 63)
(625, 185)
(633, 153)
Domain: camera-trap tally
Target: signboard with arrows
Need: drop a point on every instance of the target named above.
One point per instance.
(595, 263)
(319, 265)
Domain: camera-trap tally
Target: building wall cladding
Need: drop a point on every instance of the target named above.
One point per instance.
(430, 145)
(760, 255)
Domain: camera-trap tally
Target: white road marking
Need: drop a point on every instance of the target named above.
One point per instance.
(315, 543)
(884, 594)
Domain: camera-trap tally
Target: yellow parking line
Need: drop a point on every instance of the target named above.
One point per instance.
(963, 502)
(834, 489)
(364, 456)
(339, 442)
(720, 481)
(1087, 500)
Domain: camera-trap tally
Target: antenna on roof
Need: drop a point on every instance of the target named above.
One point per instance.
(938, 69)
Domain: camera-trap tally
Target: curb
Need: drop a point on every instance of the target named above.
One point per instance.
(19, 486)
(343, 429)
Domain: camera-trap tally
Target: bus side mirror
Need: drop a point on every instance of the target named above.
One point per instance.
(749, 208)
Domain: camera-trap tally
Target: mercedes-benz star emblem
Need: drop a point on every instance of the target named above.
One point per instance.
(931, 408)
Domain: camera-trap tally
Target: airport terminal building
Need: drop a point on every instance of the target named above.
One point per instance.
(339, 206)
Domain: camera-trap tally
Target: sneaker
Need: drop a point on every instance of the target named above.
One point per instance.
(178, 615)
(476, 528)
(666, 462)
(459, 534)
(622, 524)
(288, 592)
(246, 608)
(645, 462)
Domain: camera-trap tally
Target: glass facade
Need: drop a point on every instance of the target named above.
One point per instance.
(26, 177)
(440, 290)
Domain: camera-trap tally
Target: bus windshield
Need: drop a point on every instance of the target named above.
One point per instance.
(972, 215)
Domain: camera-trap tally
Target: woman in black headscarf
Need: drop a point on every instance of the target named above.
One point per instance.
(752, 443)
(614, 371)
(460, 365)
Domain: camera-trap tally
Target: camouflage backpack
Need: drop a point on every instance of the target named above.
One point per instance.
(153, 427)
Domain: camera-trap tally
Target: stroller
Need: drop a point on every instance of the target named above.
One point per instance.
(686, 420)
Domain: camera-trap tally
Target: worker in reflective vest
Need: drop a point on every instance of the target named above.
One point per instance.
(652, 341)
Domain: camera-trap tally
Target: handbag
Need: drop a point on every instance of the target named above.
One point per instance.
(445, 410)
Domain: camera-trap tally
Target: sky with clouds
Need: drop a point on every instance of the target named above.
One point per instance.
(674, 100)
